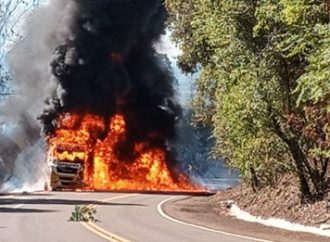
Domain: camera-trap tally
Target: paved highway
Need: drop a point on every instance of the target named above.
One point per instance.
(122, 217)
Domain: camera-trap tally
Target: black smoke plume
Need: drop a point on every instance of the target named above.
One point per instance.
(107, 64)
(102, 61)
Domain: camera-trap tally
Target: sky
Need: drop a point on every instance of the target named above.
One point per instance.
(185, 82)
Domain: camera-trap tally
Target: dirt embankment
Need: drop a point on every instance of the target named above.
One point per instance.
(281, 202)
(284, 202)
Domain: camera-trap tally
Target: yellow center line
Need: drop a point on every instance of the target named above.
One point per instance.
(107, 235)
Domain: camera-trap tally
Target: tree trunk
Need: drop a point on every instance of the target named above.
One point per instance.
(297, 155)
(300, 158)
(254, 179)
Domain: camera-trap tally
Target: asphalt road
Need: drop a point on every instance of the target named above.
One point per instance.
(122, 217)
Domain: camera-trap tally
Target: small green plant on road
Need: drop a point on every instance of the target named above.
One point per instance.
(85, 213)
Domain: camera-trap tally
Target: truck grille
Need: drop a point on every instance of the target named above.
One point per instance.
(70, 170)
(66, 179)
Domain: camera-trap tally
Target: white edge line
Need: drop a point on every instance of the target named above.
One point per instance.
(163, 214)
(13, 207)
(18, 206)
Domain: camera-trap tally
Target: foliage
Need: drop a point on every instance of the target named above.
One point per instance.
(315, 84)
(84, 213)
(261, 63)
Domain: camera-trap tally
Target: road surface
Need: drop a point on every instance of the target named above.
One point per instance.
(122, 217)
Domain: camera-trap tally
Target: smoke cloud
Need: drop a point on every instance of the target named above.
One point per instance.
(107, 64)
(102, 61)
(19, 129)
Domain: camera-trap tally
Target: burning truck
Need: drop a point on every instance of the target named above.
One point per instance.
(79, 160)
(110, 119)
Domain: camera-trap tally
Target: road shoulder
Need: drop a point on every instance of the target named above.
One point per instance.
(199, 211)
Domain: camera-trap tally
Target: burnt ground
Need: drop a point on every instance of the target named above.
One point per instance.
(281, 202)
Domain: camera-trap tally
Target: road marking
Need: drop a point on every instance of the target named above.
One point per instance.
(18, 206)
(117, 197)
(7, 196)
(103, 233)
(12, 207)
(163, 214)
(106, 234)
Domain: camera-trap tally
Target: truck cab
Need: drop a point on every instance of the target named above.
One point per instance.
(66, 162)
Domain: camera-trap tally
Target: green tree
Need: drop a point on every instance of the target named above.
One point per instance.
(263, 67)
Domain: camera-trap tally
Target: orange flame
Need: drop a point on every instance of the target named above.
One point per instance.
(147, 171)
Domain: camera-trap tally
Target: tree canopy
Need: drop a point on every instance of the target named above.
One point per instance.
(264, 83)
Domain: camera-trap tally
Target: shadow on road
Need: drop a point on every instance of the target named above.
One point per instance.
(42, 201)
(26, 194)
(24, 210)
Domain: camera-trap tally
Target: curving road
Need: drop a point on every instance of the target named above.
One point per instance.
(122, 217)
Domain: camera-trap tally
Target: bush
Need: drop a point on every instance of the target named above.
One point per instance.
(85, 213)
